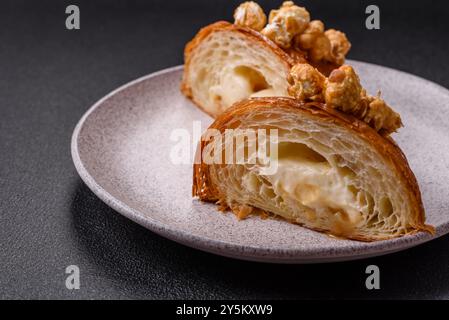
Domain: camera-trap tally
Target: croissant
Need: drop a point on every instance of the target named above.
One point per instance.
(226, 63)
(333, 172)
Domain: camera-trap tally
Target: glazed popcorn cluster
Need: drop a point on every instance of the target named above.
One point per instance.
(290, 27)
(342, 90)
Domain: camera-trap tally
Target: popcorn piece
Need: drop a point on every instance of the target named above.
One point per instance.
(340, 46)
(277, 33)
(306, 82)
(321, 49)
(250, 14)
(344, 91)
(306, 40)
(381, 117)
(295, 19)
(285, 23)
(331, 46)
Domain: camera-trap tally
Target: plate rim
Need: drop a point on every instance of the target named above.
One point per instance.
(229, 249)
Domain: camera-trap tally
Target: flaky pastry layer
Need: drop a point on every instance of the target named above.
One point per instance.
(338, 175)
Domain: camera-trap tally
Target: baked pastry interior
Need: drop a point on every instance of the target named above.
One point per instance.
(333, 172)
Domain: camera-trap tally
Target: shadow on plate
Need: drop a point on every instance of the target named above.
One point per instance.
(150, 266)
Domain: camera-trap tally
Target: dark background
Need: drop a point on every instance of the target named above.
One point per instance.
(49, 219)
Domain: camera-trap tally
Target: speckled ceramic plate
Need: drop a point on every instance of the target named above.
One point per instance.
(121, 149)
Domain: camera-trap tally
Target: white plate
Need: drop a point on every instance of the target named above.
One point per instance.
(121, 149)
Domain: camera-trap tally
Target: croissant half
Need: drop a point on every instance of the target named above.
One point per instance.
(226, 63)
(335, 174)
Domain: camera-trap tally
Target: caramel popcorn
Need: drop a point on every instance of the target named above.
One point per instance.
(330, 45)
(250, 14)
(342, 90)
(306, 40)
(285, 23)
(295, 19)
(314, 40)
(381, 117)
(340, 45)
(278, 34)
(321, 49)
(306, 82)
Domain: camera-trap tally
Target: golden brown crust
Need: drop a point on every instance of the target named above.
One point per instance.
(386, 147)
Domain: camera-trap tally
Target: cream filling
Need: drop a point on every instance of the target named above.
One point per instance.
(239, 83)
(232, 88)
(315, 185)
(304, 176)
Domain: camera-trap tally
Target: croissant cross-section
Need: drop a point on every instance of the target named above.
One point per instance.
(226, 63)
(333, 174)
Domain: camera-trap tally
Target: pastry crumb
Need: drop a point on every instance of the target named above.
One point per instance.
(242, 211)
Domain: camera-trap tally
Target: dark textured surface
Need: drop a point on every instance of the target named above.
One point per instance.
(49, 76)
